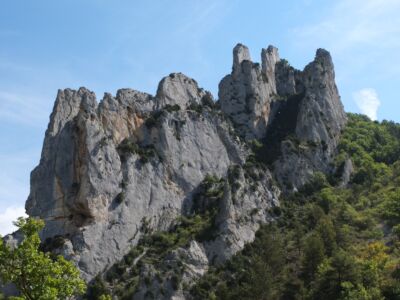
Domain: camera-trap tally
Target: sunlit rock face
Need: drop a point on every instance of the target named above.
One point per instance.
(246, 94)
(96, 194)
(110, 168)
(314, 115)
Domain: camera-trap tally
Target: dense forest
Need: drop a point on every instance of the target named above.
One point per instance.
(328, 242)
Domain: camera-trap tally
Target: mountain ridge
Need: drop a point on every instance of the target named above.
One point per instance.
(134, 163)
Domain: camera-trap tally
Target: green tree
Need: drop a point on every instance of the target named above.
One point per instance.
(314, 254)
(327, 232)
(35, 274)
(391, 208)
(334, 274)
(358, 292)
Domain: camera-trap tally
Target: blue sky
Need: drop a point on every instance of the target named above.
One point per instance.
(107, 45)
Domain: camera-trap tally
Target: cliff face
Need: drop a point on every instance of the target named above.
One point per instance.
(246, 94)
(309, 119)
(112, 171)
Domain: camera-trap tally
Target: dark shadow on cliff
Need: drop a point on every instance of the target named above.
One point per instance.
(282, 127)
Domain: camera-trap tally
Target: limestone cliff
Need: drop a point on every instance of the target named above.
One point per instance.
(115, 170)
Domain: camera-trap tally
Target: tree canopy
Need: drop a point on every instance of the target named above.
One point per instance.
(37, 275)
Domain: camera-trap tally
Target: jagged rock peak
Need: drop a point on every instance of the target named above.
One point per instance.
(322, 53)
(322, 61)
(269, 58)
(245, 94)
(179, 89)
(67, 105)
(240, 54)
(313, 102)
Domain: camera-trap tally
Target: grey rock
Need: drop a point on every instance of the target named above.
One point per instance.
(269, 59)
(114, 170)
(305, 120)
(348, 170)
(240, 53)
(305, 104)
(285, 78)
(181, 268)
(97, 197)
(246, 205)
(178, 89)
(321, 116)
(245, 95)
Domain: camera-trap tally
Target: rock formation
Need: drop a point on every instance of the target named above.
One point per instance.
(112, 171)
(246, 94)
(310, 104)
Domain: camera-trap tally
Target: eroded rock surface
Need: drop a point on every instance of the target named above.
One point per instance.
(104, 169)
(133, 163)
(311, 105)
(246, 94)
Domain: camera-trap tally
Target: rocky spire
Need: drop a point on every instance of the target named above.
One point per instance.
(240, 54)
(312, 104)
(245, 95)
(269, 58)
(321, 115)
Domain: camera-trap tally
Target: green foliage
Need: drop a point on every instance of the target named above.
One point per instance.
(154, 119)
(333, 273)
(120, 198)
(36, 274)
(207, 100)
(391, 207)
(314, 254)
(328, 242)
(128, 146)
(284, 62)
(257, 271)
(172, 108)
(196, 107)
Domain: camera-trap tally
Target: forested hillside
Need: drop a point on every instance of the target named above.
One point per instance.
(328, 242)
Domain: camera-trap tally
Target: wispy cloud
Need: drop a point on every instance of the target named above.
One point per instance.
(368, 102)
(202, 18)
(355, 23)
(22, 109)
(7, 218)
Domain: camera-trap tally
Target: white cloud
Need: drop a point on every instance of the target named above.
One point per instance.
(8, 216)
(368, 102)
(354, 23)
